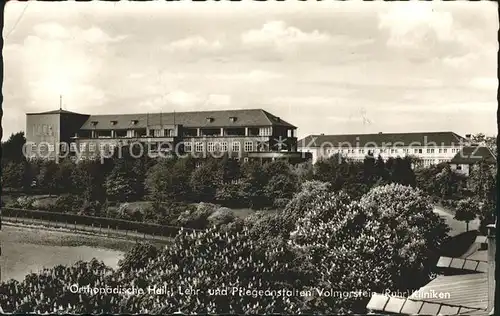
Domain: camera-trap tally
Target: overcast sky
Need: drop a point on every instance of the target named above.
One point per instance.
(323, 66)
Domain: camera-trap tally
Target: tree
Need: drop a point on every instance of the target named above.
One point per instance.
(466, 210)
(282, 183)
(12, 149)
(389, 239)
(47, 177)
(206, 179)
(121, 184)
(12, 175)
(88, 179)
(253, 183)
(63, 176)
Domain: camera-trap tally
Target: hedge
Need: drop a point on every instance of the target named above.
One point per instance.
(118, 224)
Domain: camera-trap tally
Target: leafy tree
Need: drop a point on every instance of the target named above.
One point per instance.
(62, 176)
(253, 184)
(282, 222)
(402, 172)
(482, 182)
(12, 149)
(466, 210)
(304, 171)
(88, 179)
(387, 240)
(121, 184)
(47, 177)
(282, 183)
(137, 257)
(206, 179)
(12, 175)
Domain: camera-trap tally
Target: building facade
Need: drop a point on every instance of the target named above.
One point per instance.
(241, 134)
(431, 148)
(467, 159)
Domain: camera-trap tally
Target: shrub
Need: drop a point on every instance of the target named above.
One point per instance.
(221, 216)
(25, 202)
(197, 218)
(68, 203)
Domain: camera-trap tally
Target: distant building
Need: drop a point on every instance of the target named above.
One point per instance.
(431, 148)
(245, 134)
(464, 161)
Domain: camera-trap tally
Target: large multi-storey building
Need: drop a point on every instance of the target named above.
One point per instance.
(431, 148)
(245, 134)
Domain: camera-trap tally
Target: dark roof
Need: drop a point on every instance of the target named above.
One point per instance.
(388, 139)
(473, 154)
(58, 111)
(255, 117)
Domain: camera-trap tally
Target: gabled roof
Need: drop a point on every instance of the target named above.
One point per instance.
(387, 139)
(474, 154)
(58, 111)
(249, 118)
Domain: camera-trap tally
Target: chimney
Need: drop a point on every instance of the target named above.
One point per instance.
(491, 267)
(379, 133)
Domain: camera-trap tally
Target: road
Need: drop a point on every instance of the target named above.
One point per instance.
(456, 227)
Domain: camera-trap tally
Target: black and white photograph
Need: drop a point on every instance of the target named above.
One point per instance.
(249, 157)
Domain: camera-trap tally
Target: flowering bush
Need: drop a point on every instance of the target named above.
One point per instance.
(25, 202)
(384, 241)
(221, 216)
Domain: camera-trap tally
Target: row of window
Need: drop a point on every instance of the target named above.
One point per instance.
(43, 130)
(392, 151)
(218, 146)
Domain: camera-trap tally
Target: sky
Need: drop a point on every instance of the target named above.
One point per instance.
(327, 67)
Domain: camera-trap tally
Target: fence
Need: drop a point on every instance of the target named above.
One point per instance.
(101, 225)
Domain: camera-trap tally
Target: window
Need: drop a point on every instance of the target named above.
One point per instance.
(50, 130)
(210, 147)
(51, 147)
(223, 147)
(233, 119)
(265, 131)
(33, 147)
(248, 146)
(198, 146)
(459, 167)
(415, 151)
(82, 146)
(245, 159)
(445, 150)
(405, 150)
(361, 151)
(44, 129)
(92, 147)
(102, 146)
(393, 151)
(188, 147)
(169, 132)
(134, 122)
(73, 147)
(210, 119)
(114, 123)
(235, 147)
